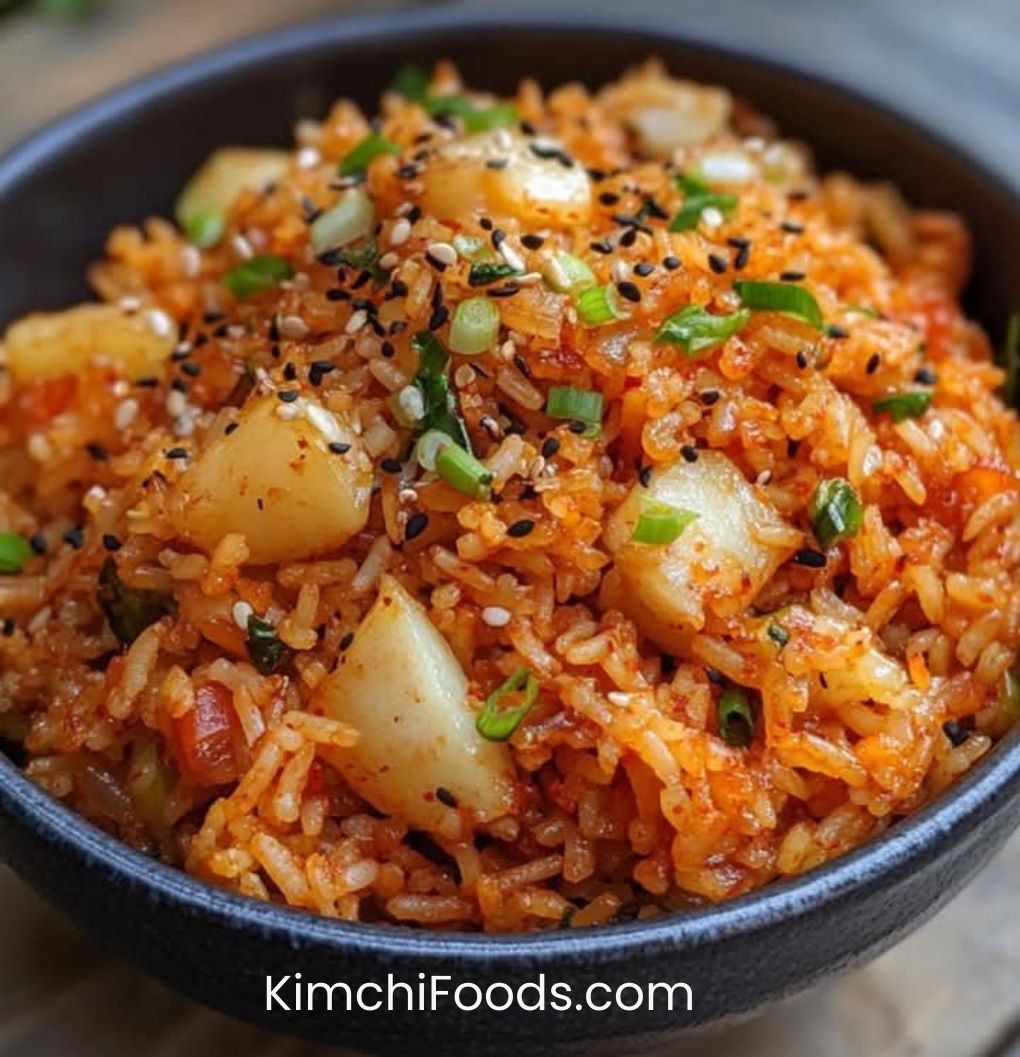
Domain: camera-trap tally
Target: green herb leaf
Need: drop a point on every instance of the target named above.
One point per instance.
(902, 406)
(265, 649)
(432, 383)
(575, 405)
(370, 148)
(661, 524)
(696, 330)
(205, 228)
(15, 550)
(780, 297)
(483, 273)
(1011, 360)
(736, 720)
(835, 511)
(698, 198)
(497, 723)
(365, 259)
(130, 610)
(255, 275)
(412, 82)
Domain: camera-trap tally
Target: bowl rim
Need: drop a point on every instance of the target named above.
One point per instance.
(950, 818)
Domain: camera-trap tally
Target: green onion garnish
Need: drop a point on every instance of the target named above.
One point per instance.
(429, 445)
(660, 523)
(780, 297)
(15, 550)
(863, 310)
(778, 634)
(257, 274)
(483, 273)
(736, 720)
(902, 406)
(265, 649)
(352, 218)
(1009, 694)
(567, 274)
(695, 330)
(412, 82)
(371, 147)
(205, 227)
(432, 383)
(698, 198)
(462, 471)
(835, 511)
(1011, 360)
(496, 723)
(599, 305)
(475, 326)
(129, 610)
(499, 115)
(577, 405)
(365, 258)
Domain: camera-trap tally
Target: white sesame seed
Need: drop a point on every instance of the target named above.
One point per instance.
(308, 158)
(242, 247)
(411, 402)
(39, 447)
(511, 256)
(496, 616)
(126, 413)
(191, 261)
(241, 612)
(293, 327)
(356, 322)
(763, 478)
(403, 209)
(442, 252)
(176, 402)
(408, 495)
(618, 698)
(621, 269)
(40, 620)
(287, 412)
(711, 217)
(184, 424)
(400, 232)
(528, 279)
(388, 261)
(322, 420)
(94, 497)
(503, 139)
(235, 332)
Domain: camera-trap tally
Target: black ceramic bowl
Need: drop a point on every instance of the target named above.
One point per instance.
(124, 158)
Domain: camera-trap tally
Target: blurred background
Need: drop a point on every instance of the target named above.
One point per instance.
(950, 990)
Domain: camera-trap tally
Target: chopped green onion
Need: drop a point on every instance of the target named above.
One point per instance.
(483, 273)
(429, 445)
(780, 297)
(352, 218)
(863, 310)
(661, 524)
(1009, 695)
(15, 550)
(432, 383)
(462, 471)
(412, 82)
(778, 634)
(470, 247)
(475, 326)
(500, 115)
(567, 274)
(266, 650)
(257, 274)
(736, 720)
(496, 723)
(1011, 360)
(599, 305)
(205, 227)
(577, 405)
(370, 148)
(129, 610)
(696, 331)
(835, 511)
(902, 406)
(698, 198)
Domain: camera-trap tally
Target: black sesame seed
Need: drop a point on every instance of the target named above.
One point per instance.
(738, 242)
(955, 732)
(407, 172)
(645, 476)
(438, 317)
(671, 263)
(289, 371)
(925, 376)
(416, 525)
(718, 263)
(179, 385)
(644, 268)
(498, 237)
(506, 290)
(603, 246)
(212, 317)
(346, 640)
(835, 331)
(710, 396)
(391, 466)
(336, 294)
(38, 543)
(521, 364)
(147, 383)
(532, 242)
(550, 446)
(176, 453)
(742, 257)
(486, 224)
(75, 537)
(791, 228)
(715, 676)
(444, 796)
(578, 427)
(399, 287)
(792, 276)
(9, 627)
(230, 427)
(497, 163)
(521, 528)
(110, 542)
(288, 396)
(609, 198)
(629, 291)
(629, 237)
(339, 447)
(811, 558)
(792, 447)
(874, 362)
(689, 452)
(802, 359)
(528, 128)
(96, 450)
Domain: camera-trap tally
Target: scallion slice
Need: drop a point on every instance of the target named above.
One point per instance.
(599, 305)
(902, 406)
(1011, 360)
(577, 405)
(736, 720)
(412, 82)
(698, 198)
(15, 550)
(352, 218)
(429, 445)
(835, 511)
(463, 472)
(497, 723)
(483, 273)
(696, 331)
(257, 274)
(661, 524)
(567, 274)
(370, 148)
(780, 297)
(475, 326)
(205, 228)
(499, 115)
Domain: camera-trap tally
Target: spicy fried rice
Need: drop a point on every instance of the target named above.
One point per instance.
(510, 513)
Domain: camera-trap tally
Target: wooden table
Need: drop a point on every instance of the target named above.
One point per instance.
(950, 990)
